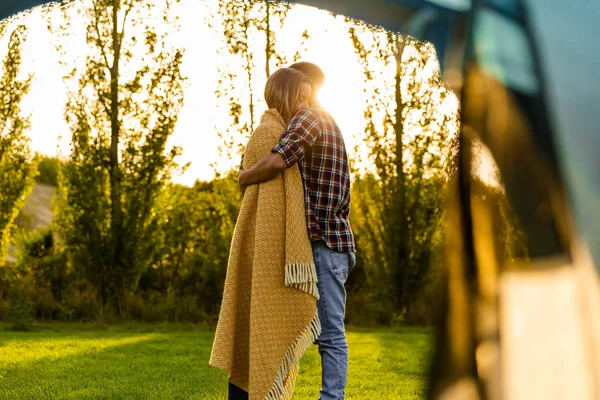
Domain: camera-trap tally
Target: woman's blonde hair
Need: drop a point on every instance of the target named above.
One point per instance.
(283, 89)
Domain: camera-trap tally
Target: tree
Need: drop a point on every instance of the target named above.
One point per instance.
(190, 259)
(411, 120)
(18, 166)
(120, 119)
(249, 29)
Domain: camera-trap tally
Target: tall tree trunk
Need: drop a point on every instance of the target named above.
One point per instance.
(268, 33)
(400, 209)
(249, 70)
(115, 184)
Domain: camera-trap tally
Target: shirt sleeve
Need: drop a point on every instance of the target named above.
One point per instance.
(304, 130)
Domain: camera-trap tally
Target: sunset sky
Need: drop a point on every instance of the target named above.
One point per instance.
(195, 130)
(329, 46)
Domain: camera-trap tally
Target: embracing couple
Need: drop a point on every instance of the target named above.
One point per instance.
(292, 248)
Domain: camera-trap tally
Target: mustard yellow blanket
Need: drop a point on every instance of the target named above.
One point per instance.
(268, 315)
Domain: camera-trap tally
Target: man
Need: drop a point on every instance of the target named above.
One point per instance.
(314, 141)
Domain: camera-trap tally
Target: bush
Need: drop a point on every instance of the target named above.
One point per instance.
(9, 277)
(38, 255)
(21, 315)
(153, 307)
(43, 273)
(81, 303)
(48, 170)
(367, 307)
(36, 244)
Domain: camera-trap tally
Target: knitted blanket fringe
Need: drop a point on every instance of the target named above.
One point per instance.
(268, 316)
(283, 388)
(303, 277)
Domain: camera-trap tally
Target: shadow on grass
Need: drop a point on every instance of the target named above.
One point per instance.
(119, 364)
(153, 366)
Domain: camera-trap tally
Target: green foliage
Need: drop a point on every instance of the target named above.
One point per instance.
(48, 170)
(42, 278)
(238, 25)
(36, 244)
(249, 29)
(21, 315)
(371, 284)
(128, 243)
(120, 121)
(190, 260)
(398, 195)
(17, 164)
(39, 254)
(183, 280)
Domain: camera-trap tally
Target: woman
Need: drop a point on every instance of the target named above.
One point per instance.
(268, 316)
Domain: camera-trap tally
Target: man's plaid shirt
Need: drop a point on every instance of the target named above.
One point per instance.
(315, 141)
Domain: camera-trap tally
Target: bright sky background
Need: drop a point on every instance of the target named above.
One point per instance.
(329, 46)
(195, 131)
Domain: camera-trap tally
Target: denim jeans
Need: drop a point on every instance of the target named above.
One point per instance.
(332, 271)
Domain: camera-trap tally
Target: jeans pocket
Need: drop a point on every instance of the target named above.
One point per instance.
(340, 265)
(351, 261)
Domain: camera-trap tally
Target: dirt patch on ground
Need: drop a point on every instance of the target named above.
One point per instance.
(37, 212)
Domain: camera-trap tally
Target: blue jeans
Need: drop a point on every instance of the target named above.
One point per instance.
(332, 271)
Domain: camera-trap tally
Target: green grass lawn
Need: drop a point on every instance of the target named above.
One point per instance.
(137, 361)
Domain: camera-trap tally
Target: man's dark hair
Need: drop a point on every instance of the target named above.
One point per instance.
(311, 70)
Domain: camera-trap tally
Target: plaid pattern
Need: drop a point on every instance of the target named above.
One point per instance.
(315, 141)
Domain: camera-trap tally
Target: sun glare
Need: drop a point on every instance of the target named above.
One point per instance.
(329, 45)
